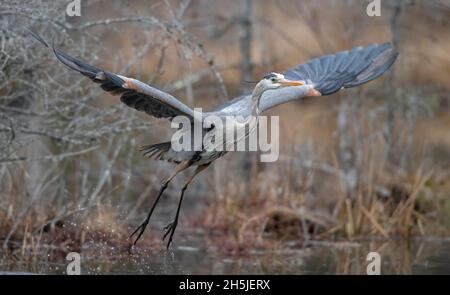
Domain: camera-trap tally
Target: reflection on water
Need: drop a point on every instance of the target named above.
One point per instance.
(397, 257)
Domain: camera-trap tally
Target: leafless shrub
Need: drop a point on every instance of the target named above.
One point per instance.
(63, 146)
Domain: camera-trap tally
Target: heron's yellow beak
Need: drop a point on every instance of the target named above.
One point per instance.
(286, 83)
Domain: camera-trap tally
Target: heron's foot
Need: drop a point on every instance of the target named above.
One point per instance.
(170, 230)
(140, 229)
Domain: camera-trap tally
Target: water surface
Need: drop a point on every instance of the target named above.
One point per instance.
(425, 256)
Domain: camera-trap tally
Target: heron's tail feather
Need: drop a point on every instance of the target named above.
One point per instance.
(155, 151)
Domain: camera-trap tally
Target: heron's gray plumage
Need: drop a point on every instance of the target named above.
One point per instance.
(320, 76)
(134, 93)
(326, 74)
(345, 69)
(241, 105)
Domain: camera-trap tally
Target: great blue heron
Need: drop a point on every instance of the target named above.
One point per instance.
(320, 76)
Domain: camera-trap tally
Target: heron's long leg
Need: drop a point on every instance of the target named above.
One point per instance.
(141, 228)
(170, 228)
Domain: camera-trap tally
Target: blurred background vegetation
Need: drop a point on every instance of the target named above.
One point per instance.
(370, 162)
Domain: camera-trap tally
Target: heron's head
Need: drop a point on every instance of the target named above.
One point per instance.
(276, 81)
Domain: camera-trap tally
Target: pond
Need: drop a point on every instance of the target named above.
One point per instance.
(424, 256)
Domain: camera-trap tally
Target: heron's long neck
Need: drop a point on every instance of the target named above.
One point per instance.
(252, 120)
(256, 98)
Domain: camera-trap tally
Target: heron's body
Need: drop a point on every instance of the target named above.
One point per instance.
(320, 76)
(210, 148)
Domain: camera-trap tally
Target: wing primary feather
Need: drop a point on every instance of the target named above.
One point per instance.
(326, 75)
(345, 69)
(135, 94)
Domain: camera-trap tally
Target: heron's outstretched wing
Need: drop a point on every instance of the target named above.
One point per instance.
(134, 93)
(345, 69)
(327, 74)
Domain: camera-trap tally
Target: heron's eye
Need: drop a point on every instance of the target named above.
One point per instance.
(273, 80)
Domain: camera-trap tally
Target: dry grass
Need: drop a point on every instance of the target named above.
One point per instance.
(297, 200)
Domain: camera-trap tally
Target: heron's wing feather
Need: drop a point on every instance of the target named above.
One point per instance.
(134, 93)
(326, 75)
